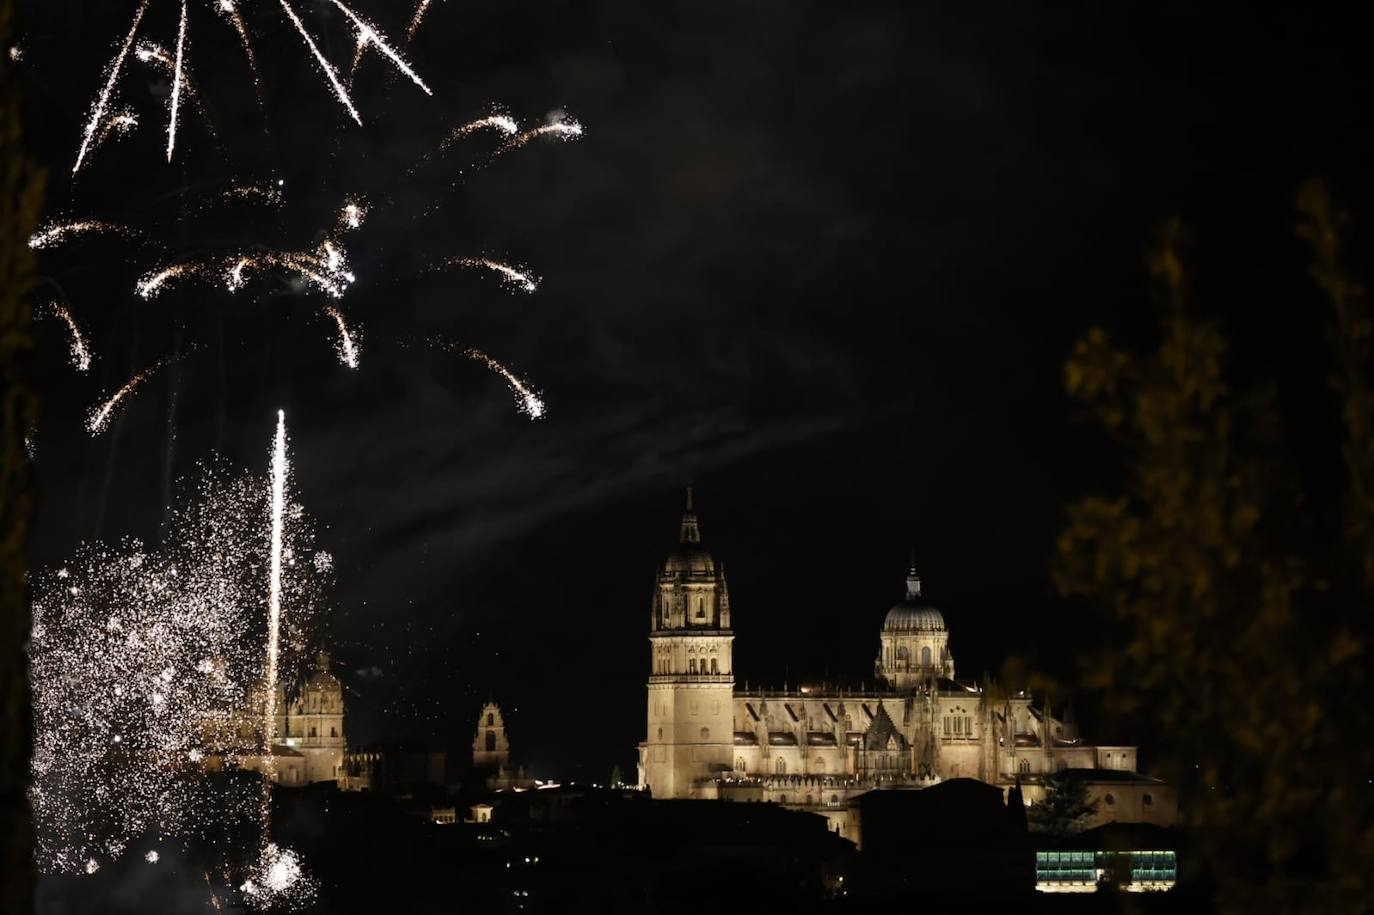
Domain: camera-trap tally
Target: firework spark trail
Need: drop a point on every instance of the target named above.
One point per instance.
(81, 355)
(420, 10)
(367, 33)
(103, 100)
(348, 343)
(269, 713)
(150, 284)
(177, 79)
(501, 122)
(565, 130)
(329, 71)
(56, 233)
(511, 276)
(531, 404)
(121, 123)
(99, 417)
(231, 12)
(147, 664)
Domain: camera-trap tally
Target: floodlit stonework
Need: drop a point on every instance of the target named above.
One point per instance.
(817, 746)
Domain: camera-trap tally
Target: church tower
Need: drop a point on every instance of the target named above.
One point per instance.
(490, 745)
(691, 677)
(315, 723)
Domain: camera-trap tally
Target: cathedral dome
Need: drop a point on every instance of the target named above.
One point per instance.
(910, 617)
(690, 558)
(321, 677)
(909, 614)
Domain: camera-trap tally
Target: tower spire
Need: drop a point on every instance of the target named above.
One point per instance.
(913, 580)
(690, 532)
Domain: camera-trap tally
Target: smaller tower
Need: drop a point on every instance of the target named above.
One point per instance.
(490, 746)
(914, 644)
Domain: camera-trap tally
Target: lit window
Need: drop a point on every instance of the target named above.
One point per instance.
(780, 766)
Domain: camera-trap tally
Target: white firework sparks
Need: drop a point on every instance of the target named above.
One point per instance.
(330, 73)
(178, 71)
(81, 354)
(568, 129)
(348, 339)
(99, 417)
(369, 36)
(146, 662)
(515, 277)
(528, 399)
(229, 10)
(97, 116)
(57, 233)
(420, 9)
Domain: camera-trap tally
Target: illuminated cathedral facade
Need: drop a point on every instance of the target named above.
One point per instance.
(815, 747)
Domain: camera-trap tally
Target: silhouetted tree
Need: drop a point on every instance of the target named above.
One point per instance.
(1238, 650)
(1066, 808)
(21, 189)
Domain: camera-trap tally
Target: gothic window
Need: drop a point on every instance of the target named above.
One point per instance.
(848, 723)
(925, 656)
(834, 800)
(333, 732)
(692, 665)
(491, 719)
(739, 764)
(780, 766)
(714, 668)
(947, 726)
(1024, 767)
(968, 726)
(491, 741)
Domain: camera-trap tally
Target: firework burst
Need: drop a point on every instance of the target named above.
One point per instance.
(99, 417)
(81, 353)
(527, 398)
(514, 277)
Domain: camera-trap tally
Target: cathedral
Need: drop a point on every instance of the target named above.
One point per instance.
(815, 747)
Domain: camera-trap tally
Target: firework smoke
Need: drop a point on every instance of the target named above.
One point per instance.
(514, 277)
(102, 101)
(99, 417)
(348, 342)
(81, 355)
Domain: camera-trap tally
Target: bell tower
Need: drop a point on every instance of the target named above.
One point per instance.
(691, 676)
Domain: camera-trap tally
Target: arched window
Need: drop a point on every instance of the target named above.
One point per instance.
(834, 800)
(925, 656)
(660, 733)
(491, 719)
(780, 766)
(312, 732)
(739, 764)
(903, 656)
(692, 665)
(1024, 767)
(705, 733)
(714, 668)
(333, 732)
(491, 741)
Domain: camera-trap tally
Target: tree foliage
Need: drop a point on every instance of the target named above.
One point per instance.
(1066, 807)
(21, 189)
(1239, 657)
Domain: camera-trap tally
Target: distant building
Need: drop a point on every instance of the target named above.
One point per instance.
(490, 746)
(307, 734)
(491, 751)
(814, 747)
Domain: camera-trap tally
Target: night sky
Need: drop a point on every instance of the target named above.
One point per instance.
(825, 261)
